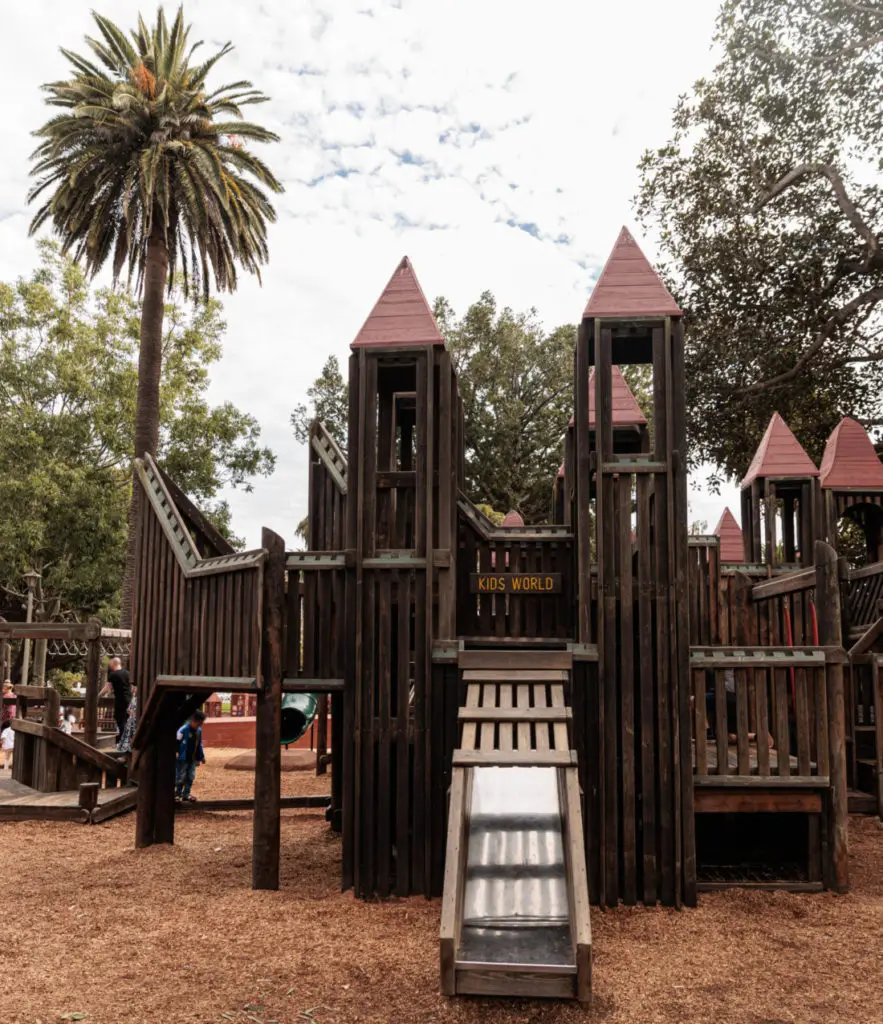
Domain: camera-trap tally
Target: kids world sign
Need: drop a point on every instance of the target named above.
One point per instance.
(516, 583)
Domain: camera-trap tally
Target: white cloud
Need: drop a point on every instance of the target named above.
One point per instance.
(432, 127)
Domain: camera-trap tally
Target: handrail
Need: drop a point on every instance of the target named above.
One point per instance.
(328, 450)
(804, 579)
(489, 531)
(874, 569)
(71, 745)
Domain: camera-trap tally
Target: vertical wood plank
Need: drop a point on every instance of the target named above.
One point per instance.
(268, 766)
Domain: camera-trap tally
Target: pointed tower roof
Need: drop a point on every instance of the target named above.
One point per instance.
(401, 315)
(561, 471)
(512, 518)
(629, 286)
(850, 459)
(779, 455)
(730, 534)
(626, 411)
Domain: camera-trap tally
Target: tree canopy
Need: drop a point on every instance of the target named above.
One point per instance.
(68, 381)
(516, 383)
(768, 205)
(328, 401)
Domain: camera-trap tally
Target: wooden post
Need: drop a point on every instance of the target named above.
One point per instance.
(93, 688)
(88, 795)
(268, 769)
(830, 634)
(52, 708)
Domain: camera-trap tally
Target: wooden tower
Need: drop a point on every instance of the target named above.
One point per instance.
(730, 535)
(630, 434)
(635, 750)
(404, 467)
(780, 472)
(851, 478)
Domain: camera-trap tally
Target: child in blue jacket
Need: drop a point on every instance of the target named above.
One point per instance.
(189, 755)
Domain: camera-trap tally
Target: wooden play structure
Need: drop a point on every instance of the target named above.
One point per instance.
(55, 776)
(527, 718)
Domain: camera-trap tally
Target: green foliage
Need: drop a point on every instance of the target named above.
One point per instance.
(516, 382)
(329, 402)
(68, 380)
(768, 206)
(143, 147)
(495, 517)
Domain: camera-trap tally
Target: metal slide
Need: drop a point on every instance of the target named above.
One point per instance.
(515, 910)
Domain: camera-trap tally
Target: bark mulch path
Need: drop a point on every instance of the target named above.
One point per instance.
(174, 934)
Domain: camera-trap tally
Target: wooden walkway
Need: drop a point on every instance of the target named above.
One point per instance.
(21, 803)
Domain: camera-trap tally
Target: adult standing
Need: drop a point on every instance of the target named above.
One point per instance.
(119, 682)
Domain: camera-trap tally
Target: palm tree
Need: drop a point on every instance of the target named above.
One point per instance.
(147, 167)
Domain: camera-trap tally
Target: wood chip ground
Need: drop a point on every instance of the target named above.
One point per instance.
(173, 934)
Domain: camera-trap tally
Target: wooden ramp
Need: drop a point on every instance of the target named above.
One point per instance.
(23, 803)
(515, 913)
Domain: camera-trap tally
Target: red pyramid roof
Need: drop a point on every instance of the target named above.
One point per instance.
(850, 459)
(561, 472)
(626, 411)
(512, 519)
(401, 315)
(730, 534)
(779, 455)
(629, 286)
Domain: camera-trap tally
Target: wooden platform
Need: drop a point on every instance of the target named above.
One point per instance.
(21, 803)
(733, 761)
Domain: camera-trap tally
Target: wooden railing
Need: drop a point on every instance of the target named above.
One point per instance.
(761, 712)
(864, 591)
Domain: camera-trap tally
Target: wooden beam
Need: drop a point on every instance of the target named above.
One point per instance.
(735, 801)
(313, 685)
(93, 688)
(266, 828)
(247, 804)
(867, 640)
(828, 572)
(50, 630)
(791, 583)
(208, 684)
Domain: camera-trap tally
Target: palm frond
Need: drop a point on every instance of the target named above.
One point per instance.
(140, 144)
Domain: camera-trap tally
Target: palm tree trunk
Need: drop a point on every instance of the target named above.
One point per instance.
(147, 408)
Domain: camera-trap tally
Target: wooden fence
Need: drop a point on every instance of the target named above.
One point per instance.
(760, 712)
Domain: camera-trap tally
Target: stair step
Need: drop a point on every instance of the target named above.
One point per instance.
(514, 758)
(537, 675)
(515, 661)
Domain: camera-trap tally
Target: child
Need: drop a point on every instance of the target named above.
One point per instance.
(189, 755)
(7, 742)
(7, 699)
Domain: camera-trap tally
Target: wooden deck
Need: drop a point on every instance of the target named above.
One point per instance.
(733, 761)
(21, 803)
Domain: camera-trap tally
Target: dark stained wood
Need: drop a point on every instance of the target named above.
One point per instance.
(627, 694)
(266, 826)
(828, 573)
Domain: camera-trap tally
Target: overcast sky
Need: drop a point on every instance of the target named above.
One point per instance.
(494, 142)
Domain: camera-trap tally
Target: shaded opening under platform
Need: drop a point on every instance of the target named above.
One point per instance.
(756, 848)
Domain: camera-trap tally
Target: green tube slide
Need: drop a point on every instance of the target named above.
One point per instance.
(298, 712)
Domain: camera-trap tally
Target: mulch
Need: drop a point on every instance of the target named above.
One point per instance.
(174, 934)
